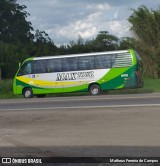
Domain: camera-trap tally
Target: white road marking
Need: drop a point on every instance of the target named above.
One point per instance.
(83, 98)
(81, 107)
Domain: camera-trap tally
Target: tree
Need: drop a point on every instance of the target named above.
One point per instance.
(127, 43)
(43, 45)
(16, 39)
(42, 37)
(102, 42)
(76, 47)
(13, 24)
(15, 34)
(105, 42)
(145, 24)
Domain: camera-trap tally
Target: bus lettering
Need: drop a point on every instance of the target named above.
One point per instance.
(85, 75)
(74, 76)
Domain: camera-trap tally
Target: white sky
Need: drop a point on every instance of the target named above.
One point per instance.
(65, 20)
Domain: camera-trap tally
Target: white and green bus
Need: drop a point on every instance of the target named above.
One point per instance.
(93, 72)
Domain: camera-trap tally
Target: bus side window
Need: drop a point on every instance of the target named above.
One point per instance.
(100, 62)
(103, 62)
(54, 65)
(108, 59)
(113, 58)
(57, 65)
(86, 63)
(39, 66)
(50, 66)
(70, 64)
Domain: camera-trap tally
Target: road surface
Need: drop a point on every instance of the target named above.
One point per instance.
(104, 101)
(86, 126)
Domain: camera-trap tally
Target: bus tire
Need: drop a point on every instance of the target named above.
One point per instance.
(27, 93)
(94, 89)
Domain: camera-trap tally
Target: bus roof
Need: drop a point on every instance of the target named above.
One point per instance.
(80, 54)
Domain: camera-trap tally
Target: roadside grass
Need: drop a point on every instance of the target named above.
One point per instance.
(150, 86)
(6, 90)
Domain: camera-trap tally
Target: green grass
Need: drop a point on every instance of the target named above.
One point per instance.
(6, 86)
(6, 91)
(150, 86)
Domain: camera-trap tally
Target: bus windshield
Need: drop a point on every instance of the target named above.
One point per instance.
(25, 69)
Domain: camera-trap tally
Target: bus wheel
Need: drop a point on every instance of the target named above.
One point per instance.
(94, 89)
(28, 93)
(41, 95)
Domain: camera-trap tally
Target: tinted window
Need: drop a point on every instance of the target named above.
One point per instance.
(54, 65)
(25, 69)
(70, 64)
(86, 63)
(113, 57)
(103, 61)
(109, 61)
(39, 66)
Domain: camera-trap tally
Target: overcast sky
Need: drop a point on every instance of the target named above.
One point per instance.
(65, 20)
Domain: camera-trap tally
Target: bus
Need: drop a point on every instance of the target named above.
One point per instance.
(87, 72)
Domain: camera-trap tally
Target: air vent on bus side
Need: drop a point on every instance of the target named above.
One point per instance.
(123, 60)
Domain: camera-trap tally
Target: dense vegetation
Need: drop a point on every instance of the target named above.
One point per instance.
(18, 39)
(146, 28)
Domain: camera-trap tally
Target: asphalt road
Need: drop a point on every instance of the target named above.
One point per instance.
(88, 126)
(81, 102)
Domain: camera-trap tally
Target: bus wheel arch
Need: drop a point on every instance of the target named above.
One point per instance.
(27, 92)
(94, 89)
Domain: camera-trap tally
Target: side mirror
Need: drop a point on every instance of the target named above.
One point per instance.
(19, 65)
